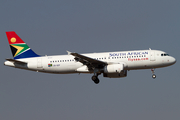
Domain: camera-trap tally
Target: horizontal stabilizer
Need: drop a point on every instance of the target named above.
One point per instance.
(17, 61)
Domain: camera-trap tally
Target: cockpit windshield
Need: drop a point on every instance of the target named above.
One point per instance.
(164, 54)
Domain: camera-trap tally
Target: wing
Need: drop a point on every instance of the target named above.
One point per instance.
(90, 62)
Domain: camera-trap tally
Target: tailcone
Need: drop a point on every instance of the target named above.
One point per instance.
(8, 63)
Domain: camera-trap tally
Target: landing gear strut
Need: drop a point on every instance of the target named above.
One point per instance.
(153, 76)
(95, 79)
(95, 76)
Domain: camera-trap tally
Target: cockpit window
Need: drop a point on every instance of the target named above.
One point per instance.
(164, 54)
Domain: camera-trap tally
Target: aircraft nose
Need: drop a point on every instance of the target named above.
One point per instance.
(173, 60)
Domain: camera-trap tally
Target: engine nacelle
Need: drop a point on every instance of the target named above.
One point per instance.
(123, 73)
(114, 68)
(115, 71)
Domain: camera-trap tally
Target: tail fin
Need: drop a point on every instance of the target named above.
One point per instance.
(18, 47)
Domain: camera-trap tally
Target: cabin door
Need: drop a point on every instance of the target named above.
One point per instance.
(39, 63)
(152, 57)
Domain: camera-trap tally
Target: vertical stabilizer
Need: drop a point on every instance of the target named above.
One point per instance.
(18, 47)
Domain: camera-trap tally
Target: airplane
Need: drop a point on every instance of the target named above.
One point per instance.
(110, 64)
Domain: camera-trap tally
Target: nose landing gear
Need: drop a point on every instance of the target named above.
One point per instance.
(153, 76)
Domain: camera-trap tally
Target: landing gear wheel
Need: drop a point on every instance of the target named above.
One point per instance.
(95, 79)
(153, 76)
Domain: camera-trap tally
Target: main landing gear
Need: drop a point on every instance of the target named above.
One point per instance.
(153, 76)
(95, 76)
(95, 79)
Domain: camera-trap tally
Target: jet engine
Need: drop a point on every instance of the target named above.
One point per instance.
(115, 71)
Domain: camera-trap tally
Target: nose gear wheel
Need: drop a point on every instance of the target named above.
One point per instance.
(153, 76)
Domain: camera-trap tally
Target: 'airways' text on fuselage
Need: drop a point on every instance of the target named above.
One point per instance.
(128, 53)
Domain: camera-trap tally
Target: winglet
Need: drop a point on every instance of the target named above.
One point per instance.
(69, 53)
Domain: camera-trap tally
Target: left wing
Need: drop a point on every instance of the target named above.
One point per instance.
(90, 62)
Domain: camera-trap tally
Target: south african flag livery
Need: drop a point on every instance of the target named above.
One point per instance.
(18, 47)
(49, 65)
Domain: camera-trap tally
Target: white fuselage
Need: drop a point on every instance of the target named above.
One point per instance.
(64, 64)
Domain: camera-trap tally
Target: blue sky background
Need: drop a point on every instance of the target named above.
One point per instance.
(52, 27)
